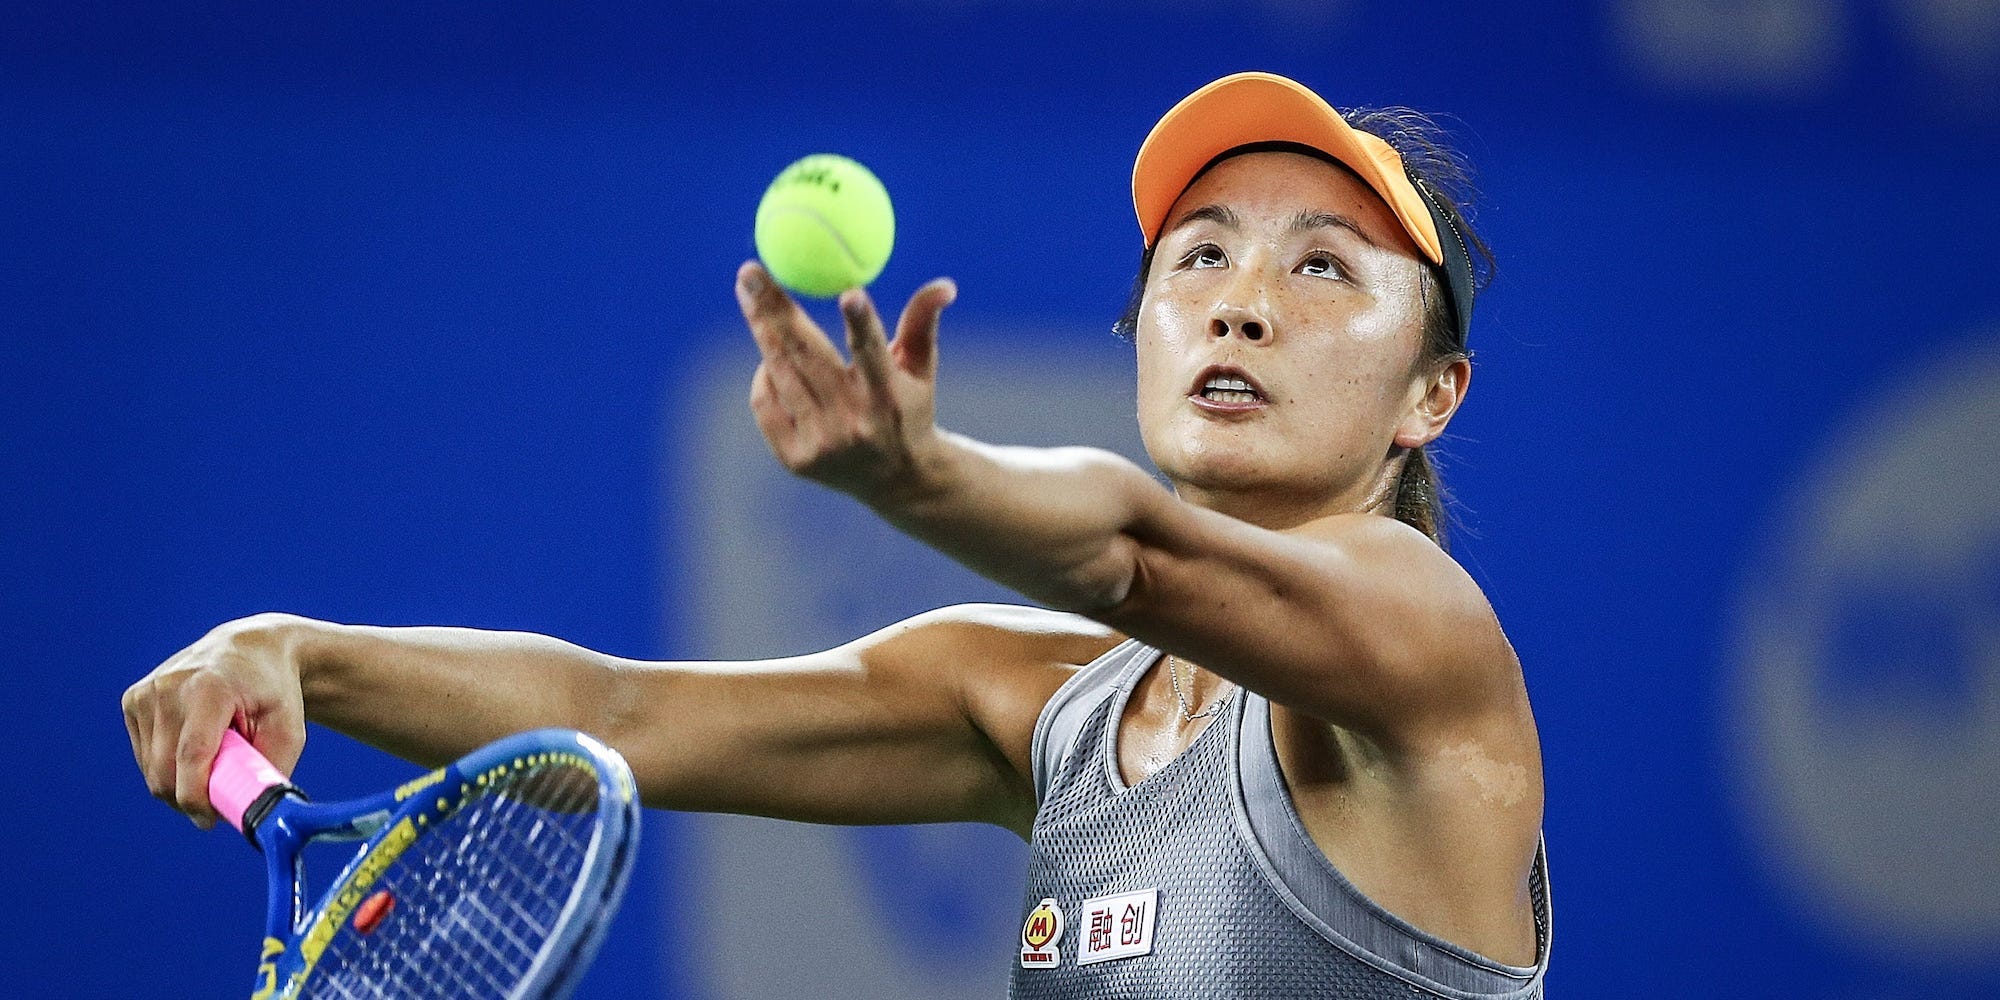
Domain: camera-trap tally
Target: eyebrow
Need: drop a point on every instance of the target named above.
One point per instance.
(1221, 215)
(1226, 217)
(1323, 220)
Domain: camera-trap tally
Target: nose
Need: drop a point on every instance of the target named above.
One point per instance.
(1242, 321)
(1241, 312)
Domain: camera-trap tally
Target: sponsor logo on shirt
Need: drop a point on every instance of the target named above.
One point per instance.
(1039, 934)
(1118, 926)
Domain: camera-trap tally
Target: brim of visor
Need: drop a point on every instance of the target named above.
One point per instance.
(1247, 108)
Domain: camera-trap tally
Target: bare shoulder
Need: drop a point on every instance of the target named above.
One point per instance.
(1428, 625)
(1434, 810)
(1462, 741)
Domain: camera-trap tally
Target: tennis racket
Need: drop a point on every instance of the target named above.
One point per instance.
(494, 877)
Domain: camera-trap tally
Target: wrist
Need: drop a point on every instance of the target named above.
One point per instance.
(306, 647)
(931, 467)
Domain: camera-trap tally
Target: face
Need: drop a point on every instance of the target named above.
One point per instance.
(1278, 341)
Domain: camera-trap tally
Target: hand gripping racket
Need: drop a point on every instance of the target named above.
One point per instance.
(494, 877)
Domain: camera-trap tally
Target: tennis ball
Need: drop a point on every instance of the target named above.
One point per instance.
(825, 226)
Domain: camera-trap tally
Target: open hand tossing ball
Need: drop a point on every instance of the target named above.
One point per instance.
(825, 226)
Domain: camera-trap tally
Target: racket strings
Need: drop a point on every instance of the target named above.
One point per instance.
(477, 897)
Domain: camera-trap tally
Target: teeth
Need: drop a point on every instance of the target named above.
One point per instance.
(1228, 389)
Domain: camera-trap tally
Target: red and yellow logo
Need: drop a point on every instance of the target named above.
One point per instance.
(1039, 934)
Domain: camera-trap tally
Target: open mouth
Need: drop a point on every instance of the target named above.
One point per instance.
(1228, 387)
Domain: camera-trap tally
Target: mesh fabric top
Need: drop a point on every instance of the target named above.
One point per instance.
(1247, 906)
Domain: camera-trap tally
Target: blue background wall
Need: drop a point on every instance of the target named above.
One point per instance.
(390, 315)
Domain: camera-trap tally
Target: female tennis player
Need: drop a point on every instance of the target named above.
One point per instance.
(1271, 741)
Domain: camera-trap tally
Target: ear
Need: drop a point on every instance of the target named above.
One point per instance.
(1431, 411)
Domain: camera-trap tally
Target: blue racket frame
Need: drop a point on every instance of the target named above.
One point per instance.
(292, 822)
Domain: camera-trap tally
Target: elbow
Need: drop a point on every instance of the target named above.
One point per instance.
(1100, 588)
(1113, 576)
(1094, 600)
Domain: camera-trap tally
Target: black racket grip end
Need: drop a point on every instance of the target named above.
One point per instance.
(261, 807)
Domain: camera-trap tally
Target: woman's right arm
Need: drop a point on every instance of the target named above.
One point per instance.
(928, 720)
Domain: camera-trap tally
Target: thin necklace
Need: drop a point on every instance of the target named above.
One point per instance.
(1180, 697)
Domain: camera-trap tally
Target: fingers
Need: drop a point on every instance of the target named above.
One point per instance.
(162, 747)
(186, 727)
(774, 421)
(767, 310)
(806, 368)
(764, 400)
(207, 708)
(281, 738)
(762, 301)
(240, 673)
(915, 348)
(848, 426)
(139, 726)
(866, 340)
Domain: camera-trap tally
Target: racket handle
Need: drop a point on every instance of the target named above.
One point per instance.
(240, 778)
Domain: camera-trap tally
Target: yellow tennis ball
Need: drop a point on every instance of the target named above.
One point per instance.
(825, 226)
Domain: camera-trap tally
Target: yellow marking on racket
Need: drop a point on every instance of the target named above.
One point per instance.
(267, 970)
(415, 785)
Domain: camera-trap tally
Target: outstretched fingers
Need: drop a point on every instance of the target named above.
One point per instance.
(915, 348)
(805, 367)
(849, 425)
(867, 342)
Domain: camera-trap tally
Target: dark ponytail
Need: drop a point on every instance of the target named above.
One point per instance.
(1420, 497)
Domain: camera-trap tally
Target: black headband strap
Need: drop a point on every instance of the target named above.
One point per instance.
(1457, 259)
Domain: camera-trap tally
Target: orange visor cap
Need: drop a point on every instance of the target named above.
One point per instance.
(1246, 108)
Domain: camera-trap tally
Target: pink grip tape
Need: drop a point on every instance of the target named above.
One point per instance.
(240, 775)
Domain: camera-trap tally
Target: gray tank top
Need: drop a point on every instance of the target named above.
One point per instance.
(1201, 881)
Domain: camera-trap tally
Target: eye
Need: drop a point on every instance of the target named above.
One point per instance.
(1205, 255)
(1322, 265)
